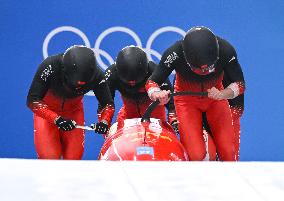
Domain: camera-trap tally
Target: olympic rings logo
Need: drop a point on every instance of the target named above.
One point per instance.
(99, 52)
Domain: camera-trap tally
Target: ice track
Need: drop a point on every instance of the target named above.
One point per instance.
(43, 180)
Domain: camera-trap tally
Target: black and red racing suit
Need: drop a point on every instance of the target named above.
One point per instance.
(189, 109)
(48, 98)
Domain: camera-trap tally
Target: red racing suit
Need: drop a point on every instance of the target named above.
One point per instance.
(189, 109)
(49, 98)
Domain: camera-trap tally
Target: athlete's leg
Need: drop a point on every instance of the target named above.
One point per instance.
(73, 141)
(190, 128)
(121, 116)
(47, 139)
(220, 122)
(159, 113)
(210, 146)
(208, 135)
(236, 115)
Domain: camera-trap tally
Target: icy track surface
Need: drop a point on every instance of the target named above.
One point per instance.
(42, 180)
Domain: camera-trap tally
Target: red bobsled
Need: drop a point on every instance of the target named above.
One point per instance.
(149, 139)
(139, 141)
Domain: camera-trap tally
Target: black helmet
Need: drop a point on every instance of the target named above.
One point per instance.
(201, 50)
(79, 65)
(132, 65)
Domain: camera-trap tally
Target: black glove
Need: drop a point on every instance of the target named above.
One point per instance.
(174, 125)
(101, 127)
(65, 124)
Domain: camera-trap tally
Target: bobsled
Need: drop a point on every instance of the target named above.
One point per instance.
(149, 139)
(138, 140)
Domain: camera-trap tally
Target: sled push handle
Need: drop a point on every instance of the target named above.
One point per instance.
(153, 105)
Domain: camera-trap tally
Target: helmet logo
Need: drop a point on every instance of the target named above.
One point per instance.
(81, 83)
(131, 82)
(204, 66)
(203, 69)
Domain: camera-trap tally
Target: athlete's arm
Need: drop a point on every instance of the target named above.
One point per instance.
(39, 88)
(102, 93)
(167, 64)
(110, 79)
(233, 74)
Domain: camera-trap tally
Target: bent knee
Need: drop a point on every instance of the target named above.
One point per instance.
(227, 155)
(49, 156)
(197, 155)
(73, 155)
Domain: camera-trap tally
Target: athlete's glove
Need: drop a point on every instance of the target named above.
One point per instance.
(172, 119)
(174, 125)
(101, 127)
(64, 124)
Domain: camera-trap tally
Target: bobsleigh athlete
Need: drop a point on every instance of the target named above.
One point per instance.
(55, 97)
(200, 60)
(128, 75)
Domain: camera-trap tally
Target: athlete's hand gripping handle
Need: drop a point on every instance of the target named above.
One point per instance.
(100, 127)
(65, 124)
(162, 96)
